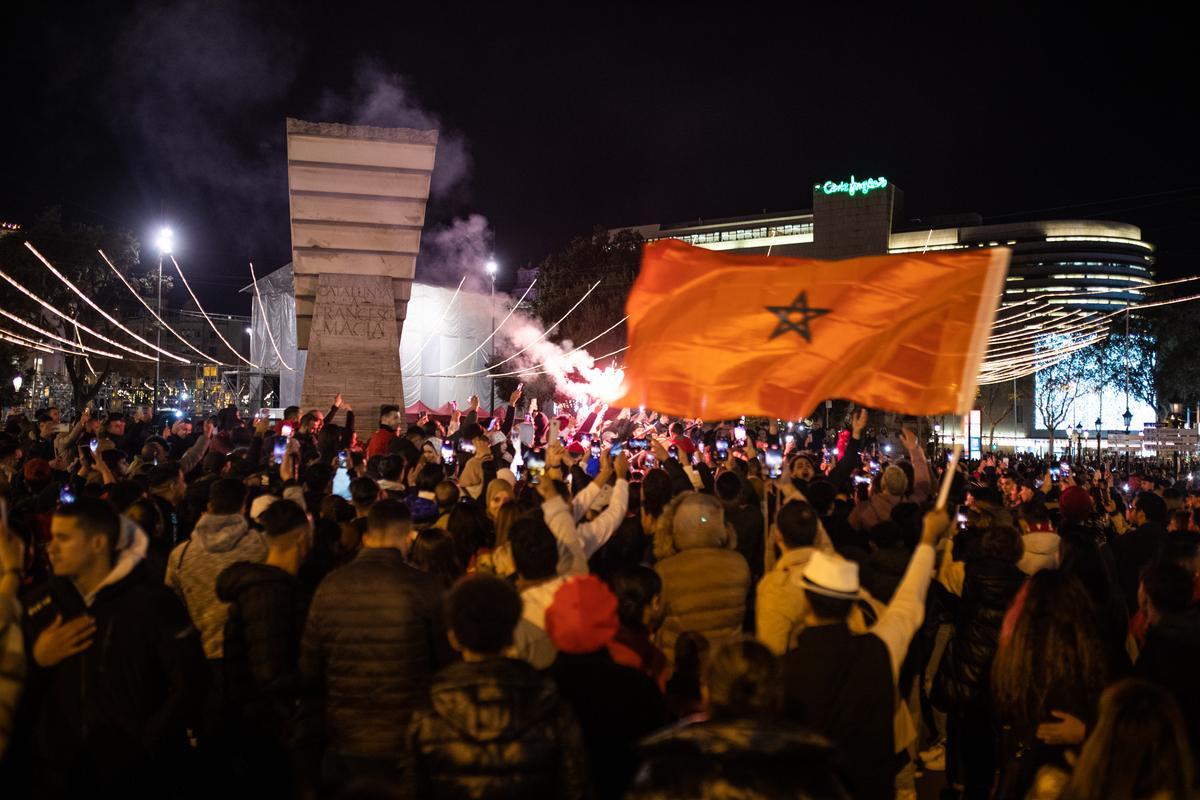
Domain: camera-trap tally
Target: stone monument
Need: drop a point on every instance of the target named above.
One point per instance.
(357, 196)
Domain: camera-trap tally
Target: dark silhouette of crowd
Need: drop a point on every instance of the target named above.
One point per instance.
(601, 603)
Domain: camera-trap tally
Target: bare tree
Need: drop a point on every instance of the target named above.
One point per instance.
(996, 401)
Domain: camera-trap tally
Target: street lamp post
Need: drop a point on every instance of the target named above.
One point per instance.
(1099, 423)
(1128, 417)
(492, 268)
(1078, 442)
(165, 242)
(250, 356)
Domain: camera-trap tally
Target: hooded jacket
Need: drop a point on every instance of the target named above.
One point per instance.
(497, 729)
(705, 580)
(218, 540)
(123, 707)
(267, 607)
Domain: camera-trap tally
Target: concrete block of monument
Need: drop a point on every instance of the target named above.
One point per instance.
(357, 196)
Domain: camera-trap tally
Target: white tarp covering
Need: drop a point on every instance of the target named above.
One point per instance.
(457, 333)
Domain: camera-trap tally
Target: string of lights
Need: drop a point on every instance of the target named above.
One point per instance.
(83, 327)
(434, 330)
(87, 362)
(544, 334)
(55, 336)
(154, 314)
(266, 323)
(544, 363)
(97, 308)
(42, 347)
(483, 344)
(207, 319)
(535, 371)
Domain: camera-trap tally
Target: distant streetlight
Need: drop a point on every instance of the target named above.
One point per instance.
(491, 267)
(18, 381)
(164, 241)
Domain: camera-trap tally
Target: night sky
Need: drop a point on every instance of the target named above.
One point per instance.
(124, 114)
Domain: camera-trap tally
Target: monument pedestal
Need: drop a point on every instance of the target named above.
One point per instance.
(354, 348)
(357, 196)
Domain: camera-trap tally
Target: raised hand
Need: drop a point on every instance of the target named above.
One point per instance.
(61, 640)
(858, 423)
(620, 465)
(515, 397)
(908, 438)
(473, 401)
(337, 401)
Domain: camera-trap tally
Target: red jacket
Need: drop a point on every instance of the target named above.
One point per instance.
(380, 441)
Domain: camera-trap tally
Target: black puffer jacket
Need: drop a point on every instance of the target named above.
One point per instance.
(744, 758)
(262, 644)
(497, 729)
(988, 588)
(374, 639)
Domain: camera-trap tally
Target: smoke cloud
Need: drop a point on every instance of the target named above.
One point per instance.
(384, 99)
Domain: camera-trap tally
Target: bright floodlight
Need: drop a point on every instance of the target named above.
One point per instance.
(17, 381)
(492, 267)
(165, 241)
(250, 331)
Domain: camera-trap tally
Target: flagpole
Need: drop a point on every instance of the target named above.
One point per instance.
(948, 477)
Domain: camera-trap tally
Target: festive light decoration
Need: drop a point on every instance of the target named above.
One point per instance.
(56, 337)
(157, 318)
(483, 344)
(58, 313)
(266, 324)
(535, 341)
(433, 331)
(204, 314)
(99, 310)
(16, 338)
(87, 362)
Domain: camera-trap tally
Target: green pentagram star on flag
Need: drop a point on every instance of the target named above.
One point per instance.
(800, 326)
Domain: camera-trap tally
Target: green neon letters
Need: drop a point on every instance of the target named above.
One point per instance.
(851, 187)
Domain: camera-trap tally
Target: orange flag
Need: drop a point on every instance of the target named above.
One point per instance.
(716, 336)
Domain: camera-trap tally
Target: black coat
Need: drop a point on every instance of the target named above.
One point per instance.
(1134, 552)
(375, 637)
(988, 589)
(130, 699)
(1171, 658)
(745, 758)
(616, 707)
(497, 729)
(267, 608)
(840, 685)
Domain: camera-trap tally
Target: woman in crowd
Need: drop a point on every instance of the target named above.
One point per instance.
(1047, 678)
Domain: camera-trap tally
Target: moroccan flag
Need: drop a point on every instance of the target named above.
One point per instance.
(714, 335)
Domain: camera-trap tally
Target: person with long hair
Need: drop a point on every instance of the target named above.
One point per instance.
(1047, 677)
(1137, 749)
(432, 551)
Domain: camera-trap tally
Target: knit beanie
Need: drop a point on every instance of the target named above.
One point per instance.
(583, 616)
(1075, 504)
(895, 481)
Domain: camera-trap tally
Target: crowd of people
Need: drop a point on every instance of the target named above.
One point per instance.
(600, 604)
